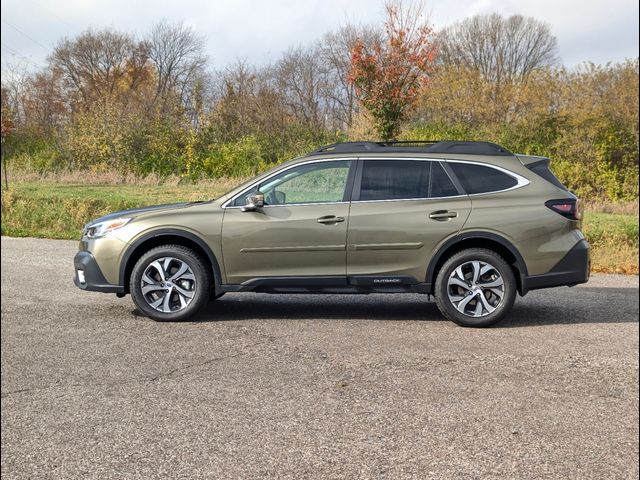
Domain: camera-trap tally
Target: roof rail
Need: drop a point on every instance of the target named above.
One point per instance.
(415, 146)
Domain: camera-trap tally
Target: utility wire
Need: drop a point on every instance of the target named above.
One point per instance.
(19, 30)
(13, 52)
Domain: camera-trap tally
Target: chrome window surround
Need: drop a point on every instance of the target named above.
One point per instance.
(521, 181)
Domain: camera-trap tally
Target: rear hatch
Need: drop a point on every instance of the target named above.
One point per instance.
(567, 207)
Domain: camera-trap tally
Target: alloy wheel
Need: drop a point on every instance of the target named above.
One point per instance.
(475, 288)
(168, 284)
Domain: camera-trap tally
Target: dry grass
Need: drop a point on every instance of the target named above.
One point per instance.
(623, 208)
(59, 210)
(614, 241)
(614, 258)
(114, 178)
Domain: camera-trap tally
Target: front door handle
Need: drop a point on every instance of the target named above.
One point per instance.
(442, 215)
(330, 219)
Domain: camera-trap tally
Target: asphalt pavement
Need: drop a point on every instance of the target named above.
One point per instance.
(304, 386)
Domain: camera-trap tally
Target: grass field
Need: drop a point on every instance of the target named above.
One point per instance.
(50, 209)
(54, 210)
(614, 241)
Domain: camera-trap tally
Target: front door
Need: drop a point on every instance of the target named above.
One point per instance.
(402, 210)
(300, 231)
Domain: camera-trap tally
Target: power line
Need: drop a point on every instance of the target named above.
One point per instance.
(19, 30)
(13, 52)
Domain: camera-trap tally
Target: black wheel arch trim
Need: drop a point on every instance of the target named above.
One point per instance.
(573, 269)
(174, 232)
(435, 260)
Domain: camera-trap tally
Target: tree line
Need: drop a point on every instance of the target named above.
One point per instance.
(110, 101)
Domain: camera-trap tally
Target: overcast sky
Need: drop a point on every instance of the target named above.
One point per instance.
(258, 31)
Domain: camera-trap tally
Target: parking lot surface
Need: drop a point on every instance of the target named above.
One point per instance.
(303, 386)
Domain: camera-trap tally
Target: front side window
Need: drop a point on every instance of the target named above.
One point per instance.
(404, 179)
(481, 179)
(319, 182)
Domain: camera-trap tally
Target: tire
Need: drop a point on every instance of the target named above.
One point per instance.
(174, 271)
(469, 276)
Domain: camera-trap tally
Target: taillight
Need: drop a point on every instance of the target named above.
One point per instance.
(568, 207)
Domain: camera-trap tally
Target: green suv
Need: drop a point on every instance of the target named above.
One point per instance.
(467, 222)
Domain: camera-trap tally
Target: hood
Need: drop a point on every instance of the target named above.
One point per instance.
(134, 212)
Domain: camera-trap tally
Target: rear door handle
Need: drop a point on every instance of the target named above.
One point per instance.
(442, 215)
(330, 219)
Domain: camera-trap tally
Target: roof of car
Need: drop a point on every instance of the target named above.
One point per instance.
(415, 146)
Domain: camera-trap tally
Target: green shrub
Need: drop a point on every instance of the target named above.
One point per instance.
(241, 158)
(596, 158)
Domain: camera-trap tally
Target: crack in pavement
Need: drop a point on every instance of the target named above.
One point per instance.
(199, 364)
(155, 378)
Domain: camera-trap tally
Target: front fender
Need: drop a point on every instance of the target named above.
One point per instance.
(150, 236)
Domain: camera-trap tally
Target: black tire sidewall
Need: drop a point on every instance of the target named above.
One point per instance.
(442, 298)
(199, 269)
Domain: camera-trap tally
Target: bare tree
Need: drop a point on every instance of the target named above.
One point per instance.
(335, 51)
(43, 103)
(502, 49)
(99, 65)
(235, 105)
(301, 80)
(15, 81)
(177, 53)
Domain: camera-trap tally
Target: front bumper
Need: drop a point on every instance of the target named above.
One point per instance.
(88, 276)
(571, 270)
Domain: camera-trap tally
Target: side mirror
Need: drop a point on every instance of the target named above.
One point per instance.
(254, 202)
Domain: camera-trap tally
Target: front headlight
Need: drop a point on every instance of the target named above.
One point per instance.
(100, 229)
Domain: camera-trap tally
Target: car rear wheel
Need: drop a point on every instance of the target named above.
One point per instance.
(170, 283)
(475, 288)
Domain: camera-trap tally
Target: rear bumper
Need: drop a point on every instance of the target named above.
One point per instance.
(85, 264)
(571, 270)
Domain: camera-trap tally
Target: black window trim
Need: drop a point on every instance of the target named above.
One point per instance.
(355, 197)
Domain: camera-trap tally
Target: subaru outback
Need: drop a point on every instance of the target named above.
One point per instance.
(468, 223)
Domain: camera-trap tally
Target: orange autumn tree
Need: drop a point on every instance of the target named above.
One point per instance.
(388, 73)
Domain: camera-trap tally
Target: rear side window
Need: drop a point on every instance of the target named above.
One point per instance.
(481, 179)
(441, 184)
(404, 179)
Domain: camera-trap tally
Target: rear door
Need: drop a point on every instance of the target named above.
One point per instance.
(401, 210)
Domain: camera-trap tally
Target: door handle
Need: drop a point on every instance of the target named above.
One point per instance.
(442, 215)
(330, 219)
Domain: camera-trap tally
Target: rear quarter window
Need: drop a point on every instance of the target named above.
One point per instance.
(481, 179)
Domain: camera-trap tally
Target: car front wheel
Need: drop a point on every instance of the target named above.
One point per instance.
(475, 288)
(170, 283)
